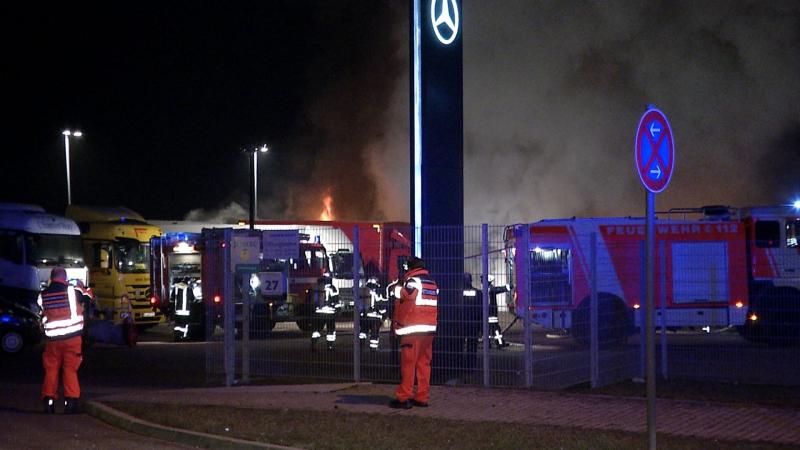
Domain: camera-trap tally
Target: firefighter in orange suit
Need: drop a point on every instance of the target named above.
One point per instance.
(414, 321)
(62, 318)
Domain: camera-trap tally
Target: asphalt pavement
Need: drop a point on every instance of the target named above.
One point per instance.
(26, 427)
(144, 374)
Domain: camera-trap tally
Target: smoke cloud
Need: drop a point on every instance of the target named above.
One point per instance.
(231, 213)
(553, 92)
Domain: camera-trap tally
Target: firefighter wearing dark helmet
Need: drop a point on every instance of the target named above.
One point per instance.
(414, 321)
(495, 332)
(326, 301)
(372, 318)
(471, 321)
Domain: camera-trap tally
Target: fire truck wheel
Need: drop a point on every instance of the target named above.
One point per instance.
(304, 325)
(304, 318)
(778, 323)
(614, 321)
(262, 329)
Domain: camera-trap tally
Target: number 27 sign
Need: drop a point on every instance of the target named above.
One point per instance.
(272, 283)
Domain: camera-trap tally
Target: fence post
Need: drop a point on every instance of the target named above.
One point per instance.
(209, 273)
(246, 329)
(485, 303)
(229, 308)
(357, 307)
(663, 309)
(526, 303)
(593, 346)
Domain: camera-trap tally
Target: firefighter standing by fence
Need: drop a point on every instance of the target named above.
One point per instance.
(189, 311)
(471, 321)
(372, 318)
(326, 301)
(414, 321)
(62, 317)
(495, 332)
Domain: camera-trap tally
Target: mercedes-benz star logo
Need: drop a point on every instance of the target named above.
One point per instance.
(445, 22)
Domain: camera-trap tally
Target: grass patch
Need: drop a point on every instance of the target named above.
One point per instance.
(340, 430)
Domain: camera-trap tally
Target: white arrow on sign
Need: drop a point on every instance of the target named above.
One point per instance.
(654, 130)
(656, 171)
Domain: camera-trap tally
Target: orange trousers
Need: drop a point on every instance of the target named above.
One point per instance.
(62, 356)
(416, 352)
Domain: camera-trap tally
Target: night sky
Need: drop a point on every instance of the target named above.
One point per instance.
(168, 93)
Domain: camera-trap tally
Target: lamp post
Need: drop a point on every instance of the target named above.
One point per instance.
(254, 180)
(67, 134)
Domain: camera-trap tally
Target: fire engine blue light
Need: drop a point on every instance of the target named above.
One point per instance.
(5, 319)
(796, 204)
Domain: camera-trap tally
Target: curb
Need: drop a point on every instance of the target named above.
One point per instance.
(192, 438)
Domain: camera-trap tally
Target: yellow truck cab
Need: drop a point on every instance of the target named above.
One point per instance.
(116, 248)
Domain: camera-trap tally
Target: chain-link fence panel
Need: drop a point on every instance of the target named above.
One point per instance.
(546, 305)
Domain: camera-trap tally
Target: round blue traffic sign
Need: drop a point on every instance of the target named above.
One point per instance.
(654, 151)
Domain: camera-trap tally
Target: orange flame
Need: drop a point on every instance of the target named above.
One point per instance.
(327, 209)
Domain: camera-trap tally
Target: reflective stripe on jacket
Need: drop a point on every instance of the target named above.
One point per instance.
(62, 311)
(416, 309)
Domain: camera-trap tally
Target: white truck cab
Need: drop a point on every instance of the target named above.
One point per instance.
(32, 242)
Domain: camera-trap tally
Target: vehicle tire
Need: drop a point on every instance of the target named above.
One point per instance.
(11, 342)
(304, 318)
(778, 312)
(614, 320)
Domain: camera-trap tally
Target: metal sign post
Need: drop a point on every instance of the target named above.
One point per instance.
(654, 156)
(650, 336)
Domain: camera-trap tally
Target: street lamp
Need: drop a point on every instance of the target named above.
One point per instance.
(67, 134)
(254, 180)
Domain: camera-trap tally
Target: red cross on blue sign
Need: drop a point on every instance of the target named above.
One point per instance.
(654, 151)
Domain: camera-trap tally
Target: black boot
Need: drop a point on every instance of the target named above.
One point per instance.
(71, 405)
(49, 404)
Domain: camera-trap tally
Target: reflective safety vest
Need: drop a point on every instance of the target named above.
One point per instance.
(62, 311)
(416, 310)
(328, 303)
(182, 298)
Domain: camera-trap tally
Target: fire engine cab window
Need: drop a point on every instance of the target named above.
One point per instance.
(315, 259)
(11, 246)
(792, 230)
(768, 234)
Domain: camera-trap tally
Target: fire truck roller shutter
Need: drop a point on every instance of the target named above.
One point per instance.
(614, 320)
(777, 317)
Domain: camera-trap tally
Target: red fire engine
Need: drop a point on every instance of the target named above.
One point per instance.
(326, 248)
(715, 267)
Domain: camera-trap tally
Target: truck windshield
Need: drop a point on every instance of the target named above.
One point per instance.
(54, 249)
(132, 256)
